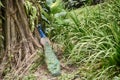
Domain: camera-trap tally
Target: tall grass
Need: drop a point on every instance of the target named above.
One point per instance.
(91, 40)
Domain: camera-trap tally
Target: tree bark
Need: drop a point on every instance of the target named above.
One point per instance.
(20, 43)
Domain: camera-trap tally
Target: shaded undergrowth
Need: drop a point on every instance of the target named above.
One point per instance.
(90, 36)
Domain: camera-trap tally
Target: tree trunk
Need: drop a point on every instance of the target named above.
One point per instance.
(20, 43)
(1, 43)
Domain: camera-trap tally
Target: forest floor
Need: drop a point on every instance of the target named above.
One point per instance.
(42, 73)
(39, 71)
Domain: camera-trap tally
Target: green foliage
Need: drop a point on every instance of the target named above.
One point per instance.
(1, 5)
(50, 2)
(30, 77)
(52, 8)
(56, 7)
(116, 77)
(90, 36)
(66, 77)
(32, 13)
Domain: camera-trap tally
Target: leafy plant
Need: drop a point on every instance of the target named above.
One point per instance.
(91, 39)
(32, 13)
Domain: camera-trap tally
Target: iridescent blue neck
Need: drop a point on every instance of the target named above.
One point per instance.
(41, 32)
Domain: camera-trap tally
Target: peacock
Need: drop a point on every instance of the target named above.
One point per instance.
(51, 60)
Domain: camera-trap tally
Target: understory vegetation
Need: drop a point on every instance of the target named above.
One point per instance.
(90, 40)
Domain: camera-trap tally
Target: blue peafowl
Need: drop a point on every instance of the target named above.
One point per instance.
(51, 60)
